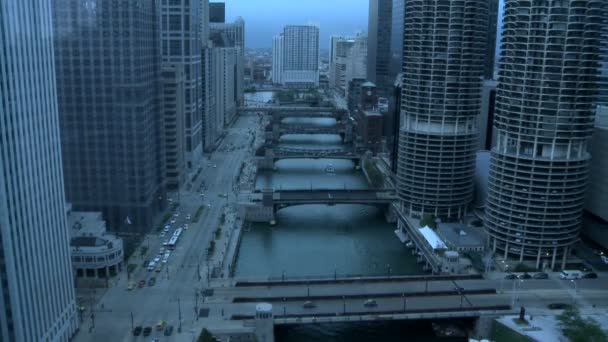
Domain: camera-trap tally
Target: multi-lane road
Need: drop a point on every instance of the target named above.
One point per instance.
(175, 292)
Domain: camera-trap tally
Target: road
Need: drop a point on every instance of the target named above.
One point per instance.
(176, 285)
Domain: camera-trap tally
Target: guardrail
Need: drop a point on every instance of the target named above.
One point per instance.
(351, 279)
(363, 296)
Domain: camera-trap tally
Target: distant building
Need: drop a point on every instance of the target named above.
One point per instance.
(232, 35)
(486, 115)
(217, 12)
(96, 254)
(356, 59)
(37, 299)
(338, 63)
(354, 93)
(298, 49)
(110, 104)
(379, 44)
(277, 58)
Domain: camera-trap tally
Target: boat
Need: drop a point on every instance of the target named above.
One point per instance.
(330, 168)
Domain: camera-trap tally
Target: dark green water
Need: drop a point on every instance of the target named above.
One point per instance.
(393, 331)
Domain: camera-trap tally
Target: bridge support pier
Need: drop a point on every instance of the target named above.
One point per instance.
(390, 215)
(483, 327)
(264, 323)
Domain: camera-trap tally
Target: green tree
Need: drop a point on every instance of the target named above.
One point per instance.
(206, 336)
(577, 329)
(428, 220)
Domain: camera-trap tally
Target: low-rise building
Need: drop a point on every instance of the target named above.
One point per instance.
(96, 254)
(461, 237)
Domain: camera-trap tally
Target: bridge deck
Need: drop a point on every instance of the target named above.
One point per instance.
(339, 195)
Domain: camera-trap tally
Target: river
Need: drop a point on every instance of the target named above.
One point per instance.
(320, 240)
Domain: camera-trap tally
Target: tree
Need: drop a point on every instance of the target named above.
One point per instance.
(577, 329)
(428, 220)
(206, 336)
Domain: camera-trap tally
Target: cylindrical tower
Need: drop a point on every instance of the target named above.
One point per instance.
(544, 119)
(443, 58)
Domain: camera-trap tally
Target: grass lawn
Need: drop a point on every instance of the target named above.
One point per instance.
(501, 333)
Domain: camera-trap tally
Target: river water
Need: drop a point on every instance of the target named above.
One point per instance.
(320, 240)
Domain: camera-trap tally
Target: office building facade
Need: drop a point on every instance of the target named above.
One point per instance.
(444, 44)
(37, 300)
(545, 108)
(217, 12)
(181, 44)
(379, 45)
(108, 87)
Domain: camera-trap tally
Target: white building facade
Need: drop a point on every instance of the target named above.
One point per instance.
(300, 56)
(37, 301)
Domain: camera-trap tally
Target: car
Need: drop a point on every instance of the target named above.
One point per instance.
(151, 281)
(370, 303)
(185, 226)
(161, 325)
(167, 227)
(541, 275)
(590, 275)
(558, 306)
(525, 275)
(173, 221)
(168, 330)
(131, 285)
(309, 305)
(147, 331)
(142, 283)
(188, 217)
(214, 166)
(176, 214)
(208, 205)
(162, 234)
(137, 331)
(510, 276)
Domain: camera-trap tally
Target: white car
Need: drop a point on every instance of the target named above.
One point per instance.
(188, 217)
(208, 205)
(173, 221)
(185, 226)
(162, 234)
(214, 166)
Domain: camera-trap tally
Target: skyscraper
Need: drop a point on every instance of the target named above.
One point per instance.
(338, 63)
(217, 12)
(300, 62)
(379, 45)
(544, 118)
(397, 25)
(444, 45)
(108, 86)
(491, 30)
(232, 35)
(181, 46)
(277, 58)
(37, 301)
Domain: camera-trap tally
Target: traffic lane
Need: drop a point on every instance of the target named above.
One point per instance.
(382, 304)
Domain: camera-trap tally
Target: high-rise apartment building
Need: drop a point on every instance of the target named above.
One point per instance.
(545, 108)
(444, 45)
(356, 59)
(492, 30)
(181, 42)
(300, 56)
(37, 301)
(379, 45)
(108, 87)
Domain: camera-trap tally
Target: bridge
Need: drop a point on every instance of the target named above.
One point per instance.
(274, 131)
(261, 206)
(279, 112)
(267, 156)
(342, 299)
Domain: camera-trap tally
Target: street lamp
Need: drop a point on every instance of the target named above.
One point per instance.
(502, 280)
(516, 286)
(388, 270)
(573, 281)
(343, 304)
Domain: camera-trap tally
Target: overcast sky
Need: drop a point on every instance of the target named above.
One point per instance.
(266, 18)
